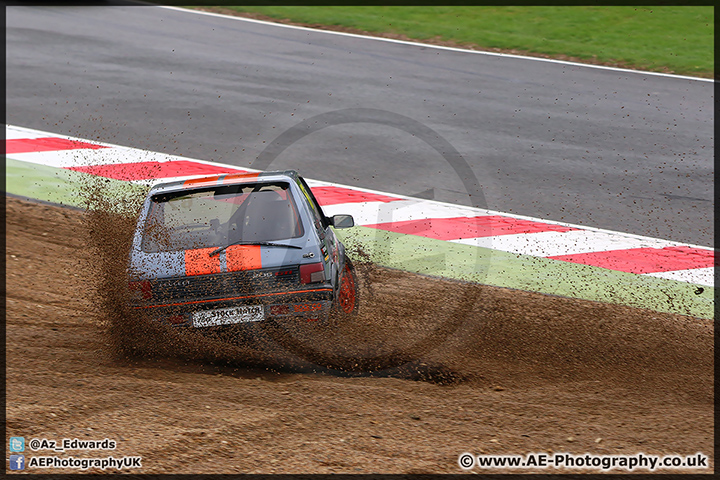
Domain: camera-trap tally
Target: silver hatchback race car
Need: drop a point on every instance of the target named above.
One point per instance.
(239, 248)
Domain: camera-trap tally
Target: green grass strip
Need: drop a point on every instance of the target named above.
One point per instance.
(671, 39)
(524, 272)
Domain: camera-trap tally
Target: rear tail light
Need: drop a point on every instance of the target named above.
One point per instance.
(141, 290)
(177, 319)
(312, 273)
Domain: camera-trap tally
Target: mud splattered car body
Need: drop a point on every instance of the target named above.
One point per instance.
(238, 248)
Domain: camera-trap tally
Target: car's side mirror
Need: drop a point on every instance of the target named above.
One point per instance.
(342, 221)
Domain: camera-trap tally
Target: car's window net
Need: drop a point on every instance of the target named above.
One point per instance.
(220, 216)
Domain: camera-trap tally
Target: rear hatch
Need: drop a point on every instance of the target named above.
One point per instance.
(224, 243)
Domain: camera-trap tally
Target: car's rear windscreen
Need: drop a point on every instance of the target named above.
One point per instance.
(220, 216)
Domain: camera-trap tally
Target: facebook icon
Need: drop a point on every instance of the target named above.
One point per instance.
(17, 462)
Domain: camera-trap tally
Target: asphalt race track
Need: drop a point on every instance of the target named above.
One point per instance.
(628, 152)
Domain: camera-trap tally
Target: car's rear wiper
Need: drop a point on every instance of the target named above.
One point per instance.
(262, 244)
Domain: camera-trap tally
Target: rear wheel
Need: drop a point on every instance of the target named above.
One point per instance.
(347, 301)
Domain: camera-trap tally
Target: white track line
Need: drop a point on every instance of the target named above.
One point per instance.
(18, 133)
(439, 47)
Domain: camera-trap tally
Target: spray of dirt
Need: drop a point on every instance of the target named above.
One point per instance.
(414, 327)
(130, 334)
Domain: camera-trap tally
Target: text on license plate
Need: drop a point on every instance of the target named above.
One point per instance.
(226, 316)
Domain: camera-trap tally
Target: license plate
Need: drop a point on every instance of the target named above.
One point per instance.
(227, 316)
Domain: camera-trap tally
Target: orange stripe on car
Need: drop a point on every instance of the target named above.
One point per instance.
(236, 176)
(243, 257)
(199, 262)
(198, 182)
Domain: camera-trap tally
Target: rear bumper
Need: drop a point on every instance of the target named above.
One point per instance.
(309, 304)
